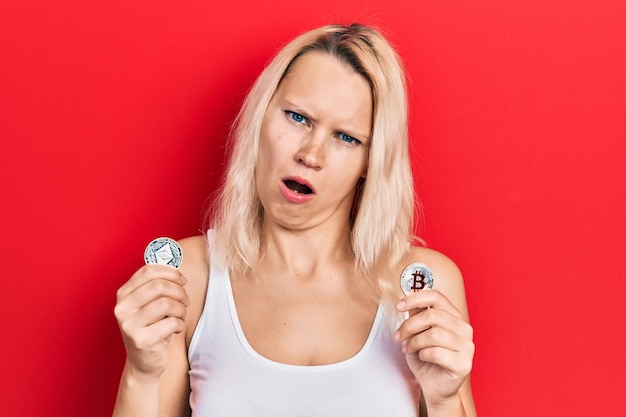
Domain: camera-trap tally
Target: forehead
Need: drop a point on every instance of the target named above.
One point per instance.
(324, 85)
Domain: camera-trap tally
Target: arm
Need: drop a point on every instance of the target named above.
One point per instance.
(167, 395)
(437, 338)
(156, 317)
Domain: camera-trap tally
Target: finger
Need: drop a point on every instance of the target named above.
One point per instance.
(139, 328)
(147, 293)
(434, 337)
(457, 363)
(157, 310)
(433, 318)
(158, 288)
(427, 299)
(148, 337)
(147, 273)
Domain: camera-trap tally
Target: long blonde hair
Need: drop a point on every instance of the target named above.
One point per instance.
(383, 215)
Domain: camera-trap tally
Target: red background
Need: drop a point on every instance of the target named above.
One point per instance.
(112, 121)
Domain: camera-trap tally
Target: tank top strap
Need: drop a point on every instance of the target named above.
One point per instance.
(214, 299)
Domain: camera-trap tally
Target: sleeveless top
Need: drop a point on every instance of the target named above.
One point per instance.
(230, 379)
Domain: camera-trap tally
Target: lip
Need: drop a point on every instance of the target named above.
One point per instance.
(293, 196)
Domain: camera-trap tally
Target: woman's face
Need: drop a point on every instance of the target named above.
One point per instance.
(314, 144)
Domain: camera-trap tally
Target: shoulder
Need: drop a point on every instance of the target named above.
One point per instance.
(443, 267)
(195, 262)
(447, 276)
(195, 268)
(195, 251)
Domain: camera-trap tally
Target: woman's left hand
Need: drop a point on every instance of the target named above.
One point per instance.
(437, 342)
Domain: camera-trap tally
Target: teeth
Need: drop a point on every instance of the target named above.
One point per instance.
(297, 187)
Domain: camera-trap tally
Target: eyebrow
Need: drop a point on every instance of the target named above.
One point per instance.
(300, 110)
(350, 132)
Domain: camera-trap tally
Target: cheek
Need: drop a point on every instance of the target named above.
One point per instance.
(266, 139)
(352, 166)
(346, 175)
(267, 153)
(272, 153)
(277, 145)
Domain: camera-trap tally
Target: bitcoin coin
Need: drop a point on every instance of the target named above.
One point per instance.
(164, 251)
(416, 277)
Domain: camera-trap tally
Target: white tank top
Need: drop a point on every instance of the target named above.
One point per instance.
(230, 379)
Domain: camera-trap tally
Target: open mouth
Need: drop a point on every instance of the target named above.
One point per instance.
(298, 187)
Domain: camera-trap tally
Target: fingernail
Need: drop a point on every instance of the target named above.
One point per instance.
(401, 304)
(396, 335)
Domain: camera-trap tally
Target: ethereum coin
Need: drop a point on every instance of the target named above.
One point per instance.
(416, 277)
(164, 251)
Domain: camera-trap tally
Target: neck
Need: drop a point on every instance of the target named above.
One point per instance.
(303, 252)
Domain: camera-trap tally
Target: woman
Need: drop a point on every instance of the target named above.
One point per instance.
(292, 306)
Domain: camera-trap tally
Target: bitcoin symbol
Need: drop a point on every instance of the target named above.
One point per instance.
(418, 281)
(416, 277)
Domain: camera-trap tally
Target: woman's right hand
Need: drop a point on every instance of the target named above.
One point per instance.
(150, 308)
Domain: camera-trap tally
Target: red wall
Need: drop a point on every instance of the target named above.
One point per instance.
(112, 121)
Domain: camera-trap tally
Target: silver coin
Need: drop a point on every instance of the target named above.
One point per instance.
(416, 277)
(164, 251)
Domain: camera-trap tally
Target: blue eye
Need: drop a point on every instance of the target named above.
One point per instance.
(295, 117)
(348, 138)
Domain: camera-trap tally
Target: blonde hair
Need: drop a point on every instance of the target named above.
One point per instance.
(383, 213)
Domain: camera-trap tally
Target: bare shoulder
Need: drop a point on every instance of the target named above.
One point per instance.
(446, 274)
(195, 268)
(195, 252)
(443, 267)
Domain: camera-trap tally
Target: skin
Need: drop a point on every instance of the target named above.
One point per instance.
(316, 128)
(294, 309)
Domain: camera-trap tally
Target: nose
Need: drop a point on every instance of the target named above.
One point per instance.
(312, 151)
